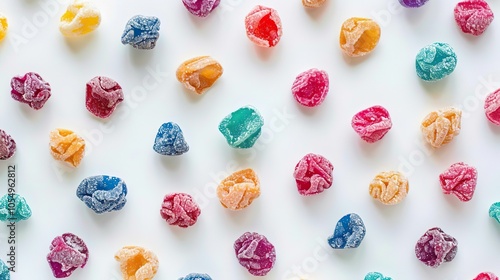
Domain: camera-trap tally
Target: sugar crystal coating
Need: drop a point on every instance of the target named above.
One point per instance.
(103, 193)
(14, 208)
(494, 211)
(141, 32)
(486, 276)
(440, 127)
(199, 74)
(30, 89)
(435, 61)
(137, 263)
(4, 271)
(376, 276)
(390, 188)
(201, 8)
(80, 18)
(255, 253)
(349, 232)
(372, 123)
(436, 247)
(492, 107)
(313, 174)
(412, 3)
(473, 16)
(102, 96)
(311, 87)
(4, 25)
(242, 127)
(239, 189)
(7, 145)
(263, 26)
(180, 209)
(359, 36)
(196, 276)
(169, 140)
(459, 179)
(66, 146)
(67, 253)
(313, 3)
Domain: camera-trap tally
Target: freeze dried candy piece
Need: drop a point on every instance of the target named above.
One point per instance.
(199, 74)
(372, 123)
(486, 276)
(80, 18)
(170, 140)
(142, 32)
(459, 179)
(4, 271)
(255, 253)
(440, 127)
(492, 107)
(435, 61)
(4, 25)
(242, 127)
(376, 276)
(239, 189)
(311, 87)
(201, 8)
(14, 208)
(30, 89)
(196, 276)
(313, 174)
(436, 247)
(412, 3)
(494, 211)
(180, 209)
(102, 96)
(389, 187)
(349, 232)
(67, 146)
(263, 26)
(7, 145)
(67, 253)
(137, 263)
(359, 36)
(103, 193)
(313, 3)
(473, 16)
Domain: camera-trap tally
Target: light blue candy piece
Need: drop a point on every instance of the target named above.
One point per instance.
(103, 193)
(142, 32)
(495, 211)
(170, 140)
(376, 276)
(349, 232)
(435, 61)
(14, 208)
(4, 271)
(242, 127)
(196, 276)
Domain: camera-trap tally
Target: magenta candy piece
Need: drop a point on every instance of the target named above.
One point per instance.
(255, 253)
(180, 209)
(201, 8)
(459, 179)
(313, 174)
(311, 87)
(492, 107)
(486, 276)
(7, 145)
(372, 123)
(102, 97)
(473, 16)
(436, 247)
(30, 89)
(67, 253)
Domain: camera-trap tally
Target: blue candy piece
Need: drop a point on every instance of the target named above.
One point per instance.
(14, 208)
(4, 271)
(376, 276)
(196, 276)
(103, 193)
(495, 211)
(242, 127)
(435, 61)
(170, 141)
(349, 232)
(142, 32)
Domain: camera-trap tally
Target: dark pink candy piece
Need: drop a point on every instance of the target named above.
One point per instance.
(436, 247)
(372, 123)
(103, 95)
(313, 174)
(67, 253)
(179, 209)
(492, 107)
(486, 276)
(255, 253)
(201, 8)
(473, 16)
(459, 179)
(30, 89)
(311, 87)
(7, 145)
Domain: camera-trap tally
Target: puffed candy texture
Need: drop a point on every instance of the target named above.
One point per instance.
(310, 88)
(313, 3)
(436, 247)
(440, 127)
(242, 127)
(372, 124)
(67, 253)
(255, 253)
(201, 8)
(486, 276)
(435, 61)
(313, 174)
(349, 232)
(376, 276)
(263, 26)
(14, 212)
(4, 25)
(4, 271)
(389, 188)
(180, 209)
(494, 211)
(137, 263)
(459, 179)
(199, 74)
(492, 107)
(473, 16)
(66, 146)
(7, 145)
(103, 193)
(142, 32)
(169, 140)
(80, 18)
(30, 89)
(102, 96)
(196, 276)
(359, 36)
(412, 3)
(238, 190)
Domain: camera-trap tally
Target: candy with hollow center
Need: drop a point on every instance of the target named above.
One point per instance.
(201, 8)
(486, 276)
(313, 3)
(311, 87)
(372, 123)
(30, 89)
(238, 190)
(4, 25)
(359, 36)
(102, 96)
(142, 32)
(349, 232)
(473, 16)
(492, 107)
(169, 140)
(459, 179)
(263, 26)
(196, 276)
(199, 74)
(180, 209)
(67, 146)
(376, 276)
(14, 208)
(412, 3)
(242, 127)
(255, 253)
(494, 211)
(390, 188)
(137, 263)
(313, 174)
(67, 253)
(440, 127)
(7, 145)
(435, 61)
(103, 193)
(4, 271)
(80, 18)
(436, 247)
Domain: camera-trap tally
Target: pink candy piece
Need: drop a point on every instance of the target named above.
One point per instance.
(460, 180)
(7, 146)
(201, 8)
(492, 107)
(102, 97)
(30, 89)
(486, 276)
(473, 16)
(179, 209)
(436, 247)
(372, 124)
(311, 87)
(67, 253)
(313, 174)
(255, 253)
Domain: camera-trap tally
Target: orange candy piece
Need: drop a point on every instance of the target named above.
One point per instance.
(67, 146)
(239, 189)
(440, 127)
(199, 74)
(313, 3)
(389, 187)
(359, 36)
(137, 263)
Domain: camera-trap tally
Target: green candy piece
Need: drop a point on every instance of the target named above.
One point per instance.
(495, 211)
(14, 208)
(4, 271)
(376, 276)
(242, 127)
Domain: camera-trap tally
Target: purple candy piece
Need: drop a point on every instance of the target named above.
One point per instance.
(255, 253)
(30, 89)
(413, 3)
(436, 247)
(201, 8)
(7, 145)
(67, 253)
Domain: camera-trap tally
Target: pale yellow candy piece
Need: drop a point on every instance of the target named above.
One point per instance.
(239, 189)
(4, 25)
(79, 19)
(389, 187)
(137, 263)
(67, 146)
(313, 3)
(440, 127)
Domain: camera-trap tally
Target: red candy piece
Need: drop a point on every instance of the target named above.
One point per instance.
(67, 253)
(30, 89)
(473, 16)
(459, 179)
(179, 209)
(372, 124)
(103, 95)
(313, 174)
(486, 276)
(436, 247)
(7, 145)
(255, 253)
(263, 26)
(311, 87)
(492, 107)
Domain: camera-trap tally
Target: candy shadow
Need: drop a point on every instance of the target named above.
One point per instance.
(453, 202)
(391, 212)
(354, 61)
(244, 216)
(140, 57)
(183, 234)
(171, 162)
(308, 111)
(264, 53)
(316, 13)
(368, 148)
(105, 221)
(434, 88)
(193, 97)
(493, 127)
(29, 112)
(201, 22)
(414, 15)
(77, 44)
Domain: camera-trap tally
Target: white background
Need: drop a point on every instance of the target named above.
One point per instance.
(298, 226)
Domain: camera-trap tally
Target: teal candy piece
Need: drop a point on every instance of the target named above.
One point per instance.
(376, 276)
(4, 271)
(242, 127)
(14, 208)
(495, 211)
(435, 61)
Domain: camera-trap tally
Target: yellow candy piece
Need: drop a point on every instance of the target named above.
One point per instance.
(137, 263)
(199, 74)
(67, 146)
(239, 189)
(440, 127)
(389, 187)
(4, 25)
(80, 18)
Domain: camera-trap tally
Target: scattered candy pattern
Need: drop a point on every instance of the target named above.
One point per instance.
(201, 8)
(436, 247)
(263, 26)
(486, 276)
(311, 87)
(473, 16)
(199, 74)
(137, 263)
(390, 188)
(7, 145)
(4, 25)
(435, 61)
(14, 208)
(255, 253)
(169, 140)
(30, 89)
(359, 36)
(142, 32)
(239, 189)
(313, 174)
(494, 211)
(103, 193)
(4, 271)
(196, 276)
(492, 107)
(349, 232)
(67, 253)
(459, 179)
(313, 3)
(372, 124)
(242, 127)
(180, 209)
(412, 3)
(376, 276)
(440, 127)
(102, 96)
(67, 146)
(80, 18)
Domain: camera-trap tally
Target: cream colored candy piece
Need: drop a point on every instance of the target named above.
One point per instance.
(67, 146)
(313, 3)
(440, 127)
(4, 25)
(137, 263)
(79, 19)
(389, 187)
(239, 189)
